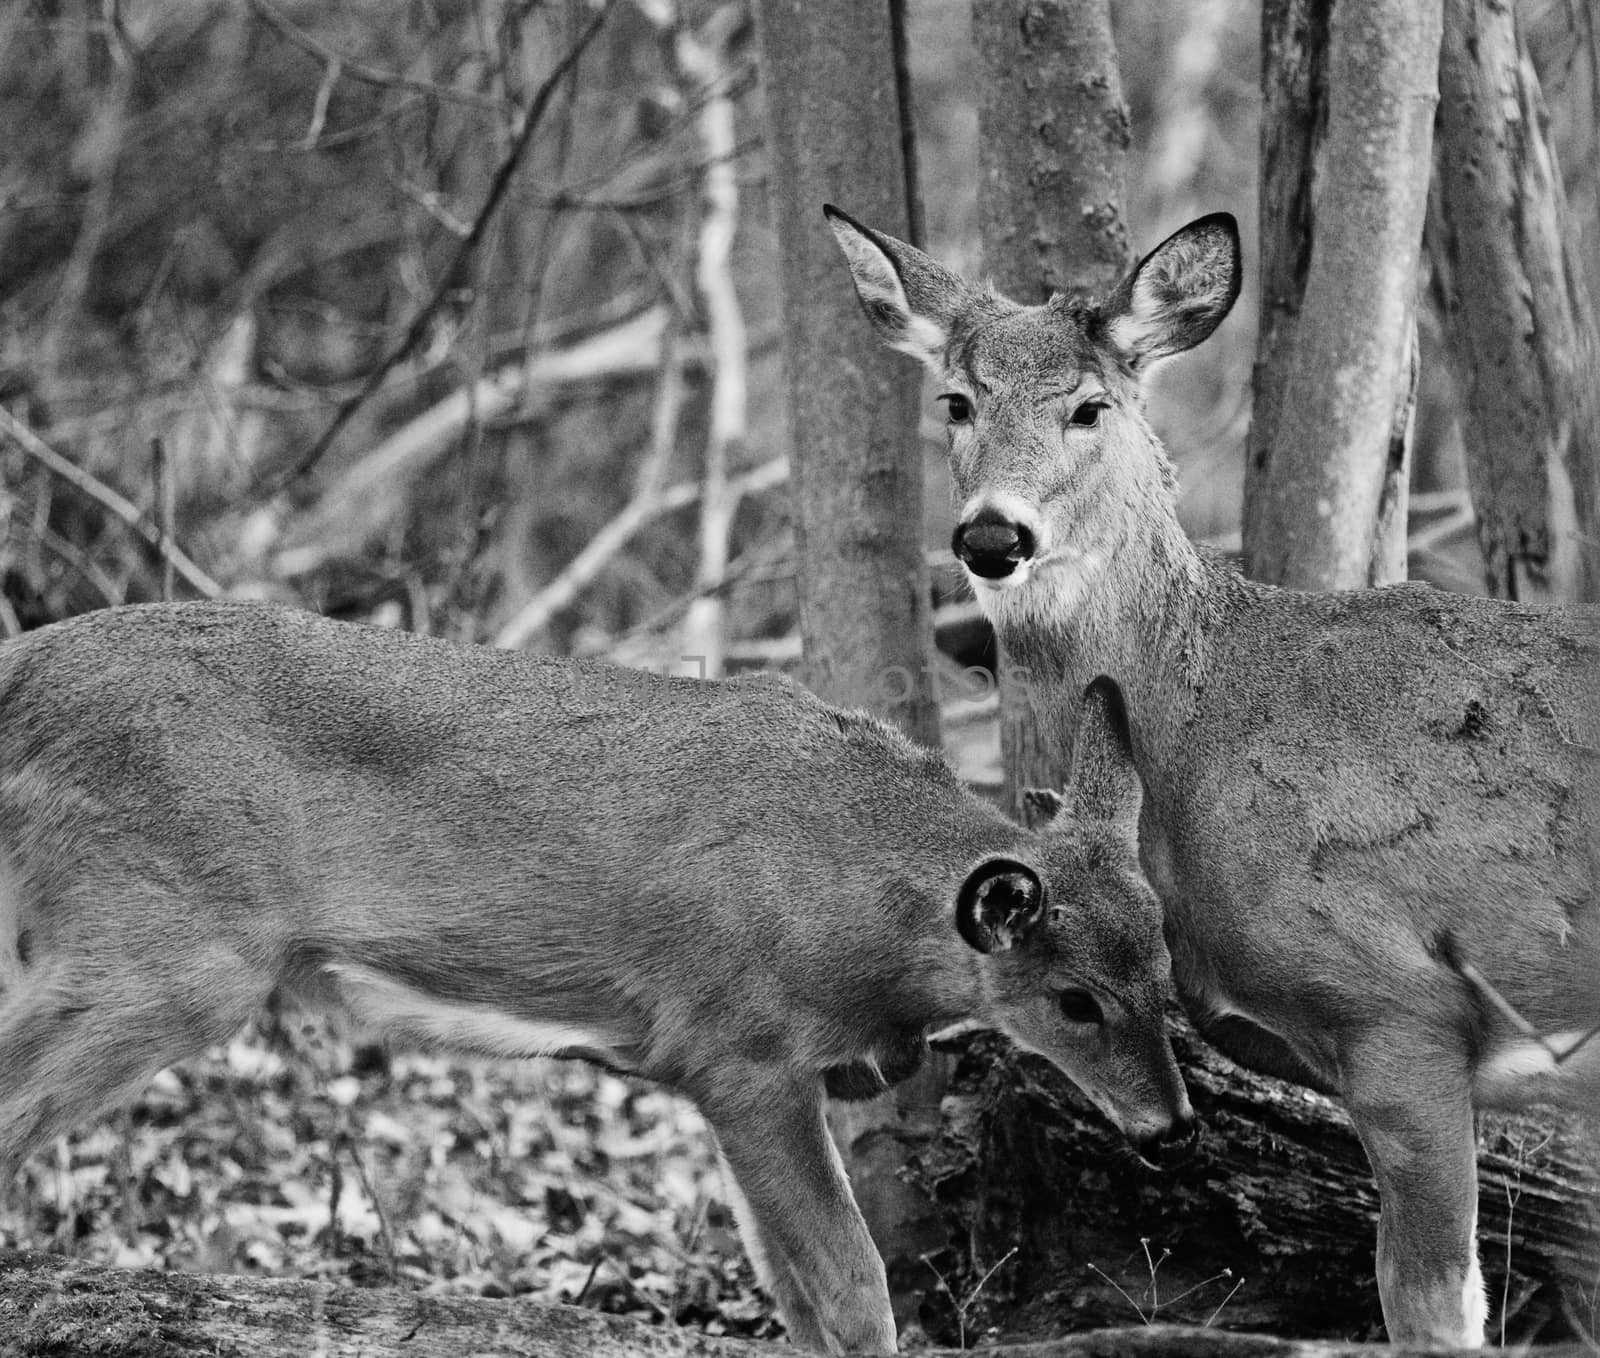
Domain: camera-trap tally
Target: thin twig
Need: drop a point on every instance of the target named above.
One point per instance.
(163, 497)
(109, 500)
(79, 560)
(368, 75)
(447, 281)
(742, 568)
(535, 615)
(1223, 1303)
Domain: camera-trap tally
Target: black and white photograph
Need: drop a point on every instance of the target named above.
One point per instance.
(706, 678)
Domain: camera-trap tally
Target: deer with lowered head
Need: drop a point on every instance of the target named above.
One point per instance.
(729, 888)
(1366, 813)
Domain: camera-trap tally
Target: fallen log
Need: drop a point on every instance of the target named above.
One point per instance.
(52, 1306)
(1271, 1226)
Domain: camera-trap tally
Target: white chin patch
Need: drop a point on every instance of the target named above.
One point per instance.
(984, 584)
(1040, 591)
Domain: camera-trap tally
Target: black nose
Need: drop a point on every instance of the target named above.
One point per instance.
(1172, 1146)
(991, 545)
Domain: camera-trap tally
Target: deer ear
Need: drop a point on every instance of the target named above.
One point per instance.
(999, 904)
(1178, 293)
(910, 299)
(1105, 784)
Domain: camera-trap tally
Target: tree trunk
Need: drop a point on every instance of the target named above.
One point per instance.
(834, 121)
(1347, 129)
(1052, 146)
(836, 132)
(50, 1306)
(1563, 38)
(1279, 1200)
(1519, 324)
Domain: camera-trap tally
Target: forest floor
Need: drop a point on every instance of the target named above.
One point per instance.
(290, 1152)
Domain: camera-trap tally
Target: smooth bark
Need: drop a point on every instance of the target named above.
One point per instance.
(1347, 128)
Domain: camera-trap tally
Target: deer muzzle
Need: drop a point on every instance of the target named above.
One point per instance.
(1173, 1144)
(991, 545)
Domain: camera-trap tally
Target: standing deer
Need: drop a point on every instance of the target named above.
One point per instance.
(1349, 797)
(729, 888)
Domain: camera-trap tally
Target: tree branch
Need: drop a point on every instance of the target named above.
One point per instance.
(534, 616)
(338, 64)
(497, 192)
(364, 497)
(109, 500)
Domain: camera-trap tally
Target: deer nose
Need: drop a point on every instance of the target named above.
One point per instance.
(1172, 1145)
(989, 544)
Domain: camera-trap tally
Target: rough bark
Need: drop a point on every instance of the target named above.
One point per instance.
(1563, 39)
(1347, 129)
(835, 117)
(1519, 324)
(1053, 141)
(50, 1306)
(1280, 1194)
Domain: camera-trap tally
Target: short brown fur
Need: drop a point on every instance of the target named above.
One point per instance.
(1354, 801)
(729, 888)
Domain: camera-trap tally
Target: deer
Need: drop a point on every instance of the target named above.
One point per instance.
(725, 887)
(1366, 813)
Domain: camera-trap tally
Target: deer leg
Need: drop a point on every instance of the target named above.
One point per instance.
(1414, 1117)
(80, 1033)
(773, 1270)
(800, 1218)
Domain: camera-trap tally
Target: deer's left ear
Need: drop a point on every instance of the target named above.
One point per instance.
(911, 299)
(1178, 293)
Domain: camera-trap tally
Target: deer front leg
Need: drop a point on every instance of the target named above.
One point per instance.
(772, 1268)
(801, 1222)
(1412, 1107)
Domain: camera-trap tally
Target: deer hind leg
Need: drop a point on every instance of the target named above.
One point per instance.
(1412, 1107)
(83, 1026)
(802, 1224)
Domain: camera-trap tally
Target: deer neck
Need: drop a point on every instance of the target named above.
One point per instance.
(1132, 600)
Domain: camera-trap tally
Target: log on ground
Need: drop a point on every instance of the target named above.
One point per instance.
(54, 1306)
(1055, 1226)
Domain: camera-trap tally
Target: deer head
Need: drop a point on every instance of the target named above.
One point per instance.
(1049, 447)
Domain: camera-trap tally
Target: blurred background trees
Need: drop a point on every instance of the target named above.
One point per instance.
(468, 316)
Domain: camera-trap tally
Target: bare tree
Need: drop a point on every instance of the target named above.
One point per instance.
(1520, 325)
(1347, 133)
(837, 125)
(1053, 141)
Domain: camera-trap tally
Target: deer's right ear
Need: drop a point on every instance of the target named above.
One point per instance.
(1105, 785)
(910, 299)
(1178, 293)
(1000, 902)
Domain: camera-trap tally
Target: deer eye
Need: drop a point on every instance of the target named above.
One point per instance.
(1087, 415)
(1079, 1006)
(957, 407)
